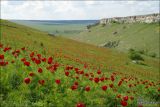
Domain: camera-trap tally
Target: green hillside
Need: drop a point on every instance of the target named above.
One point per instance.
(138, 36)
(38, 69)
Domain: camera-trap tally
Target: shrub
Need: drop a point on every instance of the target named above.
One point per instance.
(153, 55)
(41, 44)
(103, 25)
(131, 50)
(141, 51)
(135, 56)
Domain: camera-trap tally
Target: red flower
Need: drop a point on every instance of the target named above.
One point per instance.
(112, 78)
(75, 83)
(123, 103)
(39, 56)
(99, 72)
(1, 56)
(23, 48)
(67, 73)
(125, 98)
(40, 70)
(120, 83)
(12, 61)
(80, 105)
(119, 96)
(77, 77)
(102, 79)
(87, 75)
(1, 45)
(27, 80)
(58, 81)
(104, 88)
(32, 54)
(74, 87)
(50, 59)
(44, 59)
(82, 72)
(31, 74)
(132, 98)
(111, 85)
(96, 80)
(27, 63)
(37, 61)
(91, 79)
(130, 85)
(2, 63)
(33, 59)
(76, 69)
(67, 67)
(23, 59)
(41, 82)
(87, 88)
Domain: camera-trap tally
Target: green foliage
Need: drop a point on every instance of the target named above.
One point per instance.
(153, 55)
(135, 56)
(15, 81)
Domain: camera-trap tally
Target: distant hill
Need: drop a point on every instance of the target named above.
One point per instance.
(141, 34)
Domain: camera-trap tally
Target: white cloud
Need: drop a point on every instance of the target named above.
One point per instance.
(60, 10)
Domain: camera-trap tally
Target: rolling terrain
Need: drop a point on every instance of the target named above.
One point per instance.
(57, 27)
(138, 36)
(38, 69)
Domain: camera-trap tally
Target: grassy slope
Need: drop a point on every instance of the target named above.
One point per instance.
(19, 36)
(138, 35)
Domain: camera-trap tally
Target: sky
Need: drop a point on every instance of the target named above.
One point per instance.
(75, 10)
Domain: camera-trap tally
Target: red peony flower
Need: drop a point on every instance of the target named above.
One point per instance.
(27, 80)
(87, 88)
(40, 70)
(111, 85)
(23, 48)
(119, 96)
(96, 80)
(125, 98)
(124, 103)
(27, 63)
(104, 88)
(32, 54)
(132, 98)
(99, 72)
(74, 87)
(23, 59)
(31, 74)
(41, 82)
(1, 56)
(39, 56)
(37, 61)
(58, 81)
(80, 105)
(66, 73)
(50, 59)
(112, 78)
(120, 83)
(44, 59)
(75, 83)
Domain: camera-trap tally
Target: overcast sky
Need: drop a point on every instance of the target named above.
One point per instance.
(75, 10)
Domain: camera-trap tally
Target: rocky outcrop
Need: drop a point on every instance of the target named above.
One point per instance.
(150, 18)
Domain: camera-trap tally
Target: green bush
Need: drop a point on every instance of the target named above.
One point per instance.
(135, 56)
(153, 55)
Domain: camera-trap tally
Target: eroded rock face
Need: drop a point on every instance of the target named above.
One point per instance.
(151, 18)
